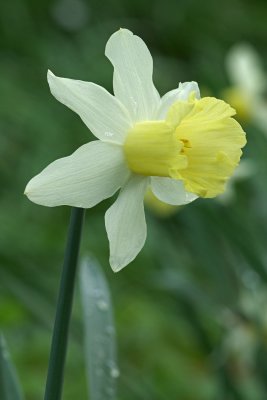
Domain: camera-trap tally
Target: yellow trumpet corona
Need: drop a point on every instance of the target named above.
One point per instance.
(198, 143)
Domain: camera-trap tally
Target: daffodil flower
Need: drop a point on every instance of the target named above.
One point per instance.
(180, 146)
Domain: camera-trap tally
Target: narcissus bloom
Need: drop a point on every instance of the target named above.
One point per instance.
(180, 146)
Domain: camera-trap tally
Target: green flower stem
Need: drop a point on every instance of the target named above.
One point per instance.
(60, 334)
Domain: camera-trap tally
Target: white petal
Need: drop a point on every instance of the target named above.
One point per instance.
(92, 173)
(181, 93)
(103, 114)
(125, 223)
(133, 68)
(171, 191)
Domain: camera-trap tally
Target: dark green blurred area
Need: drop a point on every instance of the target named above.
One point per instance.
(191, 309)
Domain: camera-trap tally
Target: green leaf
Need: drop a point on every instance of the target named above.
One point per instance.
(9, 385)
(100, 343)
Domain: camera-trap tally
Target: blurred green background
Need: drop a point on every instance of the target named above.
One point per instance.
(191, 310)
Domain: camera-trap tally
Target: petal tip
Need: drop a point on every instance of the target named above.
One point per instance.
(26, 190)
(124, 30)
(50, 74)
(50, 78)
(119, 33)
(116, 264)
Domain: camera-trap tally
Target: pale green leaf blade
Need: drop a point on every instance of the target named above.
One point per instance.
(9, 385)
(100, 342)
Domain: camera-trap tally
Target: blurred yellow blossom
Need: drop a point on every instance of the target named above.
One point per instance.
(249, 80)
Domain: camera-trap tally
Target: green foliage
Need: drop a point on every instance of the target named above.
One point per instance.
(191, 307)
(99, 332)
(9, 386)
